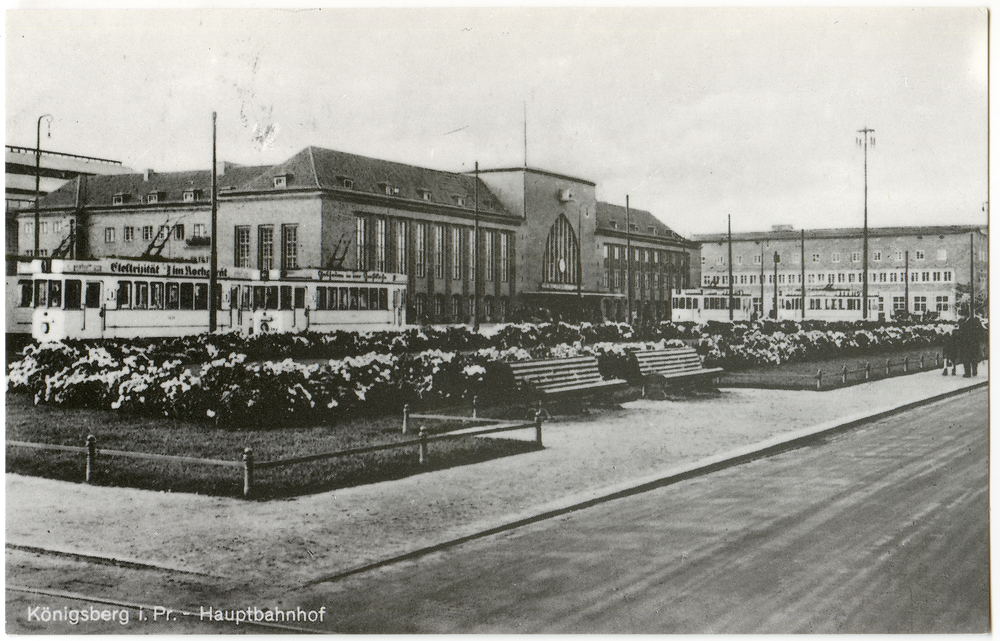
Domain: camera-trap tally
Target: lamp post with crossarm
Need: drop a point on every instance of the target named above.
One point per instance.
(38, 178)
(863, 141)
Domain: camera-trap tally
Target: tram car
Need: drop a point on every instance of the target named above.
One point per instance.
(109, 298)
(701, 305)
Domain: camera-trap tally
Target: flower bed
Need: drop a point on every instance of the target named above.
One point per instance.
(258, 381)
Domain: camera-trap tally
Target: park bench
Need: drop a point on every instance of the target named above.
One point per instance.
(559, 379)
(674, 367)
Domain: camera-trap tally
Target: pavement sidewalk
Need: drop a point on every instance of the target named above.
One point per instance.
(287, 543)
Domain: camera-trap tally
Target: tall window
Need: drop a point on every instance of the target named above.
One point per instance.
(489, 267)
(420, 246)
(129, 234)
(562, 252)
(179, 231)
(380, 244)
(456, 253)
(474, 257)
(361, 242)
(504, 257)
(109, 234)
(147, 232)
(265, 246)
(242, 246)
(439, 256)
(400, 253)
(289, 246)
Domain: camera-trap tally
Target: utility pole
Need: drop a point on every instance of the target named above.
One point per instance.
(628, 260)
(972, 274)
(213, 278)
(762, 279)
(803, 274)
(863, 142)
(38, 178)
(475, 261)
(729, 222)
(777, 259)
(906, 282)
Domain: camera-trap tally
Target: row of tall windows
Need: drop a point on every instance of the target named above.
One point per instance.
(438, 249)
(835, 257)
(289, 247)
(651, 269)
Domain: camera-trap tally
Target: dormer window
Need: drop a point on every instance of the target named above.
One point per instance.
(154, 197)
(425, 194)
(613, 224)
(652, 230)
(345, 182)
(280, 182)
(191, 195)
(388, 189)
(459, 200)
(120, 198)
(634, 227)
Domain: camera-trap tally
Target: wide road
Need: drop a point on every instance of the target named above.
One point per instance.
(883, 528)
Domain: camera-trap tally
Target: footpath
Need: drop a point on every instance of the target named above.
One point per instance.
(289, 543)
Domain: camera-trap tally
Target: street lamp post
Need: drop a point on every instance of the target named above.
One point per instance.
(777, 259)
(863, 142)
(475, 260)
(38, 178)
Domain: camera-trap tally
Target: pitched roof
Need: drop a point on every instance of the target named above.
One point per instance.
(315, 167)
(613, 217)
(842, 232)
(99, 191)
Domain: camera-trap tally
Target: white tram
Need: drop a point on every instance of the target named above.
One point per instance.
(701, 305)
(121, 298)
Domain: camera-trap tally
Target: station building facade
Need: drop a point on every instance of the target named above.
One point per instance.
(546, 247)
(917, 270)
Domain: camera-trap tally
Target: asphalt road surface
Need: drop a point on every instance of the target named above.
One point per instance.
(882, 528)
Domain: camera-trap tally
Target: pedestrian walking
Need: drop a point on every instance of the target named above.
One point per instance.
(970, 335)
(950, 352)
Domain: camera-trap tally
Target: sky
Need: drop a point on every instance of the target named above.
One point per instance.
(694, 114)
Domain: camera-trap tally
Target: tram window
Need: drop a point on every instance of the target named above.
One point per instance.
(201, 296)
(173, 295)
(93, 297)
(300, 298)
(141, 295)
(258, 297)
(363, 297)
(354, 298)
(124, 294)
(41, 293)
(321, 298)
(156, 295)
(383, 298)
(271, 300)
(74, 291)
(187, 295)
(695, 305)
(26, 291)
(345, 299)
(285, 297)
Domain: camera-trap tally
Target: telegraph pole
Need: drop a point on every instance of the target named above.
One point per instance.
(863, 142)
(475, 261)
(729, 222)
(213, 278)
(38, 178)
(762, 279)
(777, 259)
(803, 274)
(628, 260)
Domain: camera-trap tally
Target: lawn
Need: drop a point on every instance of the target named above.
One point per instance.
(118, 431)
(802, 375)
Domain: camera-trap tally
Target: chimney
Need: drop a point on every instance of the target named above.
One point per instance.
(146, 175)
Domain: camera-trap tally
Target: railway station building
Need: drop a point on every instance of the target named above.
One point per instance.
(547, 248)
(917, 270)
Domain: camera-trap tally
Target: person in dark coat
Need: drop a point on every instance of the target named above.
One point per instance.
(950, 352)
(970, 334)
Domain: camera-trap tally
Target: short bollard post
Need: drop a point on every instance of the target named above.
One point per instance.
(538, 427)
(423, 445)
(475, 406)
(91, 457)
(819, 379)
(868, 370)
(406, 417)
(937, 360)
(921, 362)
(843, 375)
(906, 361)
(247, 471)
(887, 367)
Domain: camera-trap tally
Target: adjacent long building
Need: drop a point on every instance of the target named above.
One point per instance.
(545, 246)
(917, 270)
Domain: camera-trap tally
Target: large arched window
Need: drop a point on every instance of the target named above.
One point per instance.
(560, 263)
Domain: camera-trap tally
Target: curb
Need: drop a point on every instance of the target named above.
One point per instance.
(763, 449)
(132, 564)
